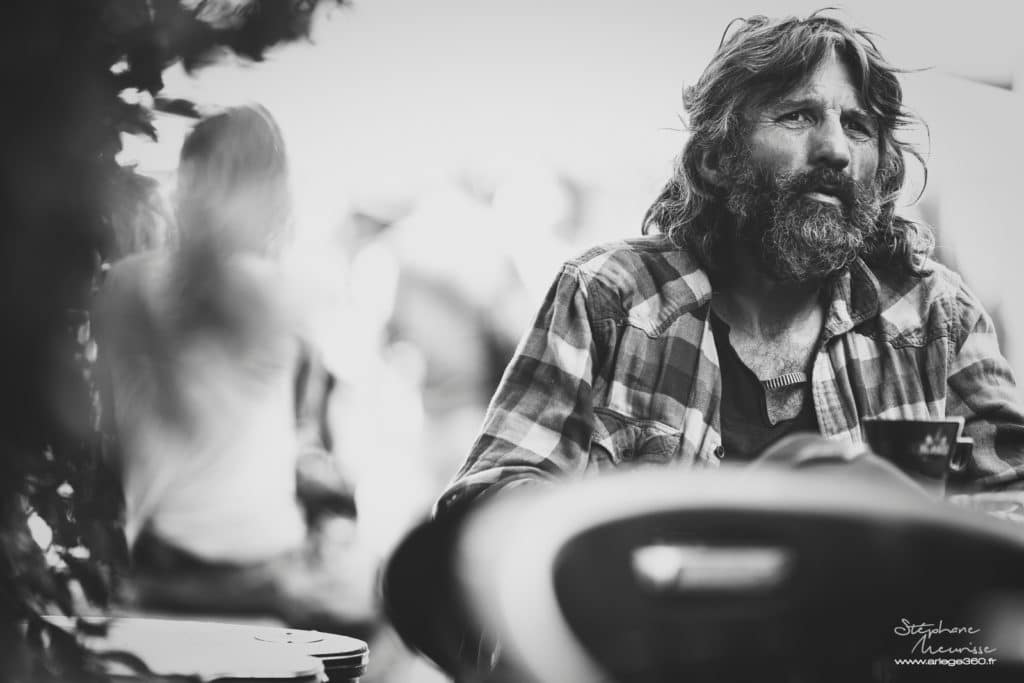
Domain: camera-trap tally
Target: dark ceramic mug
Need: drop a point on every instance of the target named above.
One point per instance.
(928, 451)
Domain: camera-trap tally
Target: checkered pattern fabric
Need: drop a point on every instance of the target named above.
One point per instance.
(620, 369)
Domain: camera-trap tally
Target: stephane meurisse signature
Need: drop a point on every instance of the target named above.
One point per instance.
(928, 636)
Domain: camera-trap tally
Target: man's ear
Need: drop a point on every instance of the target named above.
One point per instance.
(709, 165)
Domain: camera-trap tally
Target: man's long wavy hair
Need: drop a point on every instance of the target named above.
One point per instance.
(759, 60)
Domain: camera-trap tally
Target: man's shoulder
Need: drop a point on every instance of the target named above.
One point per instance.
(646, 280)
(935, 303)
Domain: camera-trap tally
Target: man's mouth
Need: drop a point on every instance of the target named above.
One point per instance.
(825, 195)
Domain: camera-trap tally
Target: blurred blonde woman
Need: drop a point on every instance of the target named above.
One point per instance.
(205, 353)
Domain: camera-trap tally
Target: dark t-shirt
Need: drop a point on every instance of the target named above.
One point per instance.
(746, 429)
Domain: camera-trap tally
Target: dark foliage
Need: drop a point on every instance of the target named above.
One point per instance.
(65, 65)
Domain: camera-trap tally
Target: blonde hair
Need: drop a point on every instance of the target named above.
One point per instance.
(232, 184)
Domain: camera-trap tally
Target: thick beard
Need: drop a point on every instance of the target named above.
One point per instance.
(792, 237)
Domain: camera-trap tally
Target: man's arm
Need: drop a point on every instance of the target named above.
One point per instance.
(540, 421)
(982, 389)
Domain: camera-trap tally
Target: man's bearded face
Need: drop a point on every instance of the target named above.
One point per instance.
(793, 237)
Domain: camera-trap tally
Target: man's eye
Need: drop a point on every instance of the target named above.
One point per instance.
(795, 117)
(860, 127)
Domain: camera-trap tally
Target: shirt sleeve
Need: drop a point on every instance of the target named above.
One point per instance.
(982, 389)
(540, 422)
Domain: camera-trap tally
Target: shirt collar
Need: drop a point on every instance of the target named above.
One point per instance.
(852, 297)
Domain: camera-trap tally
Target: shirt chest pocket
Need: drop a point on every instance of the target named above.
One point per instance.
(620, 440)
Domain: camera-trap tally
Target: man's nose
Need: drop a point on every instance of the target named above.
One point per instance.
(830, 146)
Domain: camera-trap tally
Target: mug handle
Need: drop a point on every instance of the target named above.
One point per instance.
(961, 455)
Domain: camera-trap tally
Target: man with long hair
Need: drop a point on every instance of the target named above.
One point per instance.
(774, 291)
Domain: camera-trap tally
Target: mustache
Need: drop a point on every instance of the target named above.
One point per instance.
(826, 180)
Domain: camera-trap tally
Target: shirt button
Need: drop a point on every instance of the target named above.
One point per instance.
(719, 451)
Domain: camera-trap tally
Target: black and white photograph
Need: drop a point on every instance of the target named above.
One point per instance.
(549, 341)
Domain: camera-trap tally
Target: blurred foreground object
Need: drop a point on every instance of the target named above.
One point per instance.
(731, 576)
(168, 648)
(734, 575)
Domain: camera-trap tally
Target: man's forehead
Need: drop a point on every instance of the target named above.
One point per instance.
(828, 85)
(812, 100)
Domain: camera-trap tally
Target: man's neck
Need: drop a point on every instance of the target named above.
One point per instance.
(760, 307)
(774, 326)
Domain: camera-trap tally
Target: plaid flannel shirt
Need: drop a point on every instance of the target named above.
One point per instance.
(620, 368)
